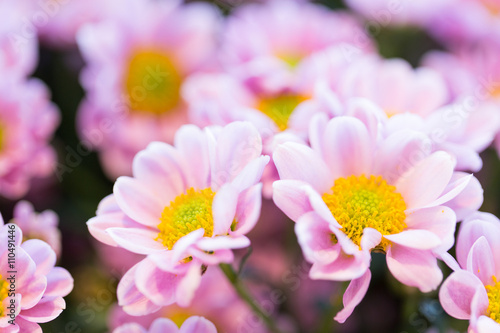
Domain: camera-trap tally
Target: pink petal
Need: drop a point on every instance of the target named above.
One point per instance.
(299, 162)
(132, 328)
(98, 226)
(188, 285)
(353, 296)
(223, 242)
(224, 208)
(181, 247)
(400, 152)
(137, 202)
(191, 143)
(137, 240)
(197, 325)
(42, 254)
(425, 182)
(415, 239)
(370, 238)
(159, 169)
(162, 325)
(457, 292)
(290, 196)
(155, 284)
(320, 207)
(486, 324)
(480, 261)
(415, 268)
(348, 148)
(130, 298)
(467, 201)
(46, 310)
(315, 239)
(59, 282)
(237, 145)
(25, 326)
(479, 224)
(453, 190)
(215, 258)
(439, 220)
(248, 210)
(251, 173)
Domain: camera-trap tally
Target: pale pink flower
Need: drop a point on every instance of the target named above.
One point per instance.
(41, 226)
(472, 291)
(137, 60)
(187, 205)
(458, 21)
(27, 122)
(193, 324)
(355, 192)
(383, 13)
(406, 98)
(18, 45)
(262, 47)
(473, 76)
(57, 22)
(39, 287)
(215, 300)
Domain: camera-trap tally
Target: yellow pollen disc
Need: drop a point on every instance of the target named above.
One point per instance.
(358, 202)
(2, 137)
(280, 108)
(493, 291)
(4, 292)
(188, 212)
(292, 60)
(152, 82)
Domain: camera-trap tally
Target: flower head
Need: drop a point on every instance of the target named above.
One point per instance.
(472, 291)
(354, 192)
(38, 286)
(194, 324)
(185, 208)
(133, 83)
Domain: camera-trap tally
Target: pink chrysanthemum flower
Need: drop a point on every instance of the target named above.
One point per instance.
(473, 292)
(262, 48)
(416, 99)
(456, 21)
(187, 205)
(57, 22)
(39, 287)
(137, 60)
(216, 300)
(18, 47)
(353, 193)
(41, 226)
(27, 122)
(163, 325)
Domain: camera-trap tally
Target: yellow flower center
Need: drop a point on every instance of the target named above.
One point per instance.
(2, 137)
(493, 291)
(280, 108)
(188, 212)
(358, 202)
(4, 292)
(292, 60)
(152, 82)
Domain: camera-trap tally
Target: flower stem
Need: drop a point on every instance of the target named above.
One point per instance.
(247, 298)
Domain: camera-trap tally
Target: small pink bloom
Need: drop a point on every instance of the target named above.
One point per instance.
(473, 292)
(18, 43)
(39, 286)
(355, 192)
(41, 226)
(186, 207)
(163, 325)
(27, 122)
(269, 45)
(137, 60)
